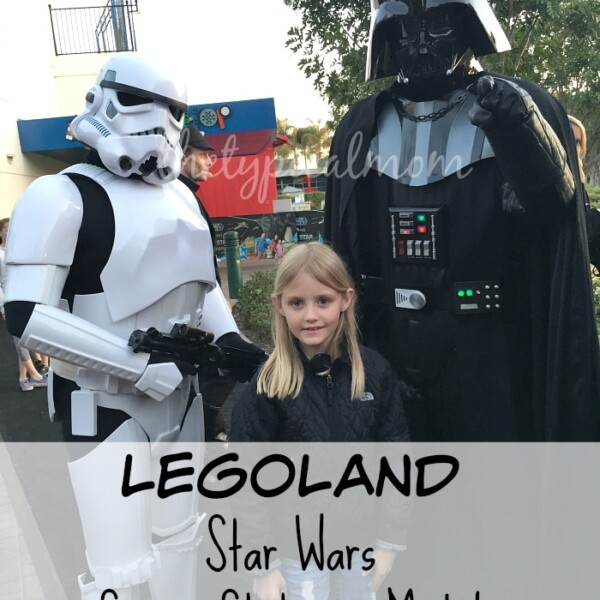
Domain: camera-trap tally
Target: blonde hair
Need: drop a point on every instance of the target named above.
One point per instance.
(575, 121)
(282, 375)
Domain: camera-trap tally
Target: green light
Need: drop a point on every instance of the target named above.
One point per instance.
(461, 293)
(421, 218)
(469, 293)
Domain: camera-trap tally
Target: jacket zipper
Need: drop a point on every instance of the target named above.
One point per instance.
(329, 384)
(333, 416)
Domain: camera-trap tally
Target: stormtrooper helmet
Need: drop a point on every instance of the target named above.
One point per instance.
(425, 43)
(133, 119)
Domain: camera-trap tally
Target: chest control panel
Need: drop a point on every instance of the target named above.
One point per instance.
(477, 297)
(419, 235)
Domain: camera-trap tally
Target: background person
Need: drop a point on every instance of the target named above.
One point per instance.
(195, 169)
(592, 215)
(580, 135)
(272, 250)
(262, 243)
(30, 375)
(3, 236)
(279, 250)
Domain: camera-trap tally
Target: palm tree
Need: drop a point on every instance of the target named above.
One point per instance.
(318, 139)
(310, 141)
(286, 151)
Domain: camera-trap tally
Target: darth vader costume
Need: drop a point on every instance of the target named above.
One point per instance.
(454, 197)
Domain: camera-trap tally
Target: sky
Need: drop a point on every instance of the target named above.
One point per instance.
(227, 50)
(233, 50)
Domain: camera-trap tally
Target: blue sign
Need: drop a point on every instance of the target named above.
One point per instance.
(43, 135)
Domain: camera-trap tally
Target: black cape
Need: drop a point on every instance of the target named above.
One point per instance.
(531, 373)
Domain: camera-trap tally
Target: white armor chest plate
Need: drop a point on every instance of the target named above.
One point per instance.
(162, 242)
(418, 153)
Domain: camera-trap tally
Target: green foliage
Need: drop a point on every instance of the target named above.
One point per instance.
(554, 44)
(253, 310)
(332, 45)
(313, 140)
(317, 199)
(596, 290)
(594, 195)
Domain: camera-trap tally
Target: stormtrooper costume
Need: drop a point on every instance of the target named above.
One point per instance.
(98, 251)
(455, 197)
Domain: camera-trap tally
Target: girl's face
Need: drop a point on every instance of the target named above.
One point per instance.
(312, 312)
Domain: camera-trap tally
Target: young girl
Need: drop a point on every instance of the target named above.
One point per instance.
(279, 250)
(318, 369)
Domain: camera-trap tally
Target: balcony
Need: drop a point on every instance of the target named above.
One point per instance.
(94, 29)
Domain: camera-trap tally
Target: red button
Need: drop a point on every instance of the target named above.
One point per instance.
(422, 229)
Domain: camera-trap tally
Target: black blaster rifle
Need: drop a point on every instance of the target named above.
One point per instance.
(194, 347)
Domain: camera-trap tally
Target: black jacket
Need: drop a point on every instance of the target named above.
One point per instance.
(324, 410)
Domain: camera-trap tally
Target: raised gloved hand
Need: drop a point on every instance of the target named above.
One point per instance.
(243, 357)
(499, 102)
(527, 149)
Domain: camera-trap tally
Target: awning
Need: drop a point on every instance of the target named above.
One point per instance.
(237, 128)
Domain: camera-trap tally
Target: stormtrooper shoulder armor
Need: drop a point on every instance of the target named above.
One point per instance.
(47, 218)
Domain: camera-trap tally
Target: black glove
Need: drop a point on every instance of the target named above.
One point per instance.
(185, 368)
(243, 358)
(510, 202)
(527, 149)
(499, 103)
(409, 392)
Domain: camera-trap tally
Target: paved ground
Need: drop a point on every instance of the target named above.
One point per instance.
(23, 415)
(27, 571)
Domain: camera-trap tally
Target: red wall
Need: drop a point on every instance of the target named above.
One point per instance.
(243, 174)
(241, 185)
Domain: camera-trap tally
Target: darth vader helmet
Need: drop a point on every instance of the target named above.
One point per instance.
(426, 42)
(133, 119)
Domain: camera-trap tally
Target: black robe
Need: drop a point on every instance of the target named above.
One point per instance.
(530, 371)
